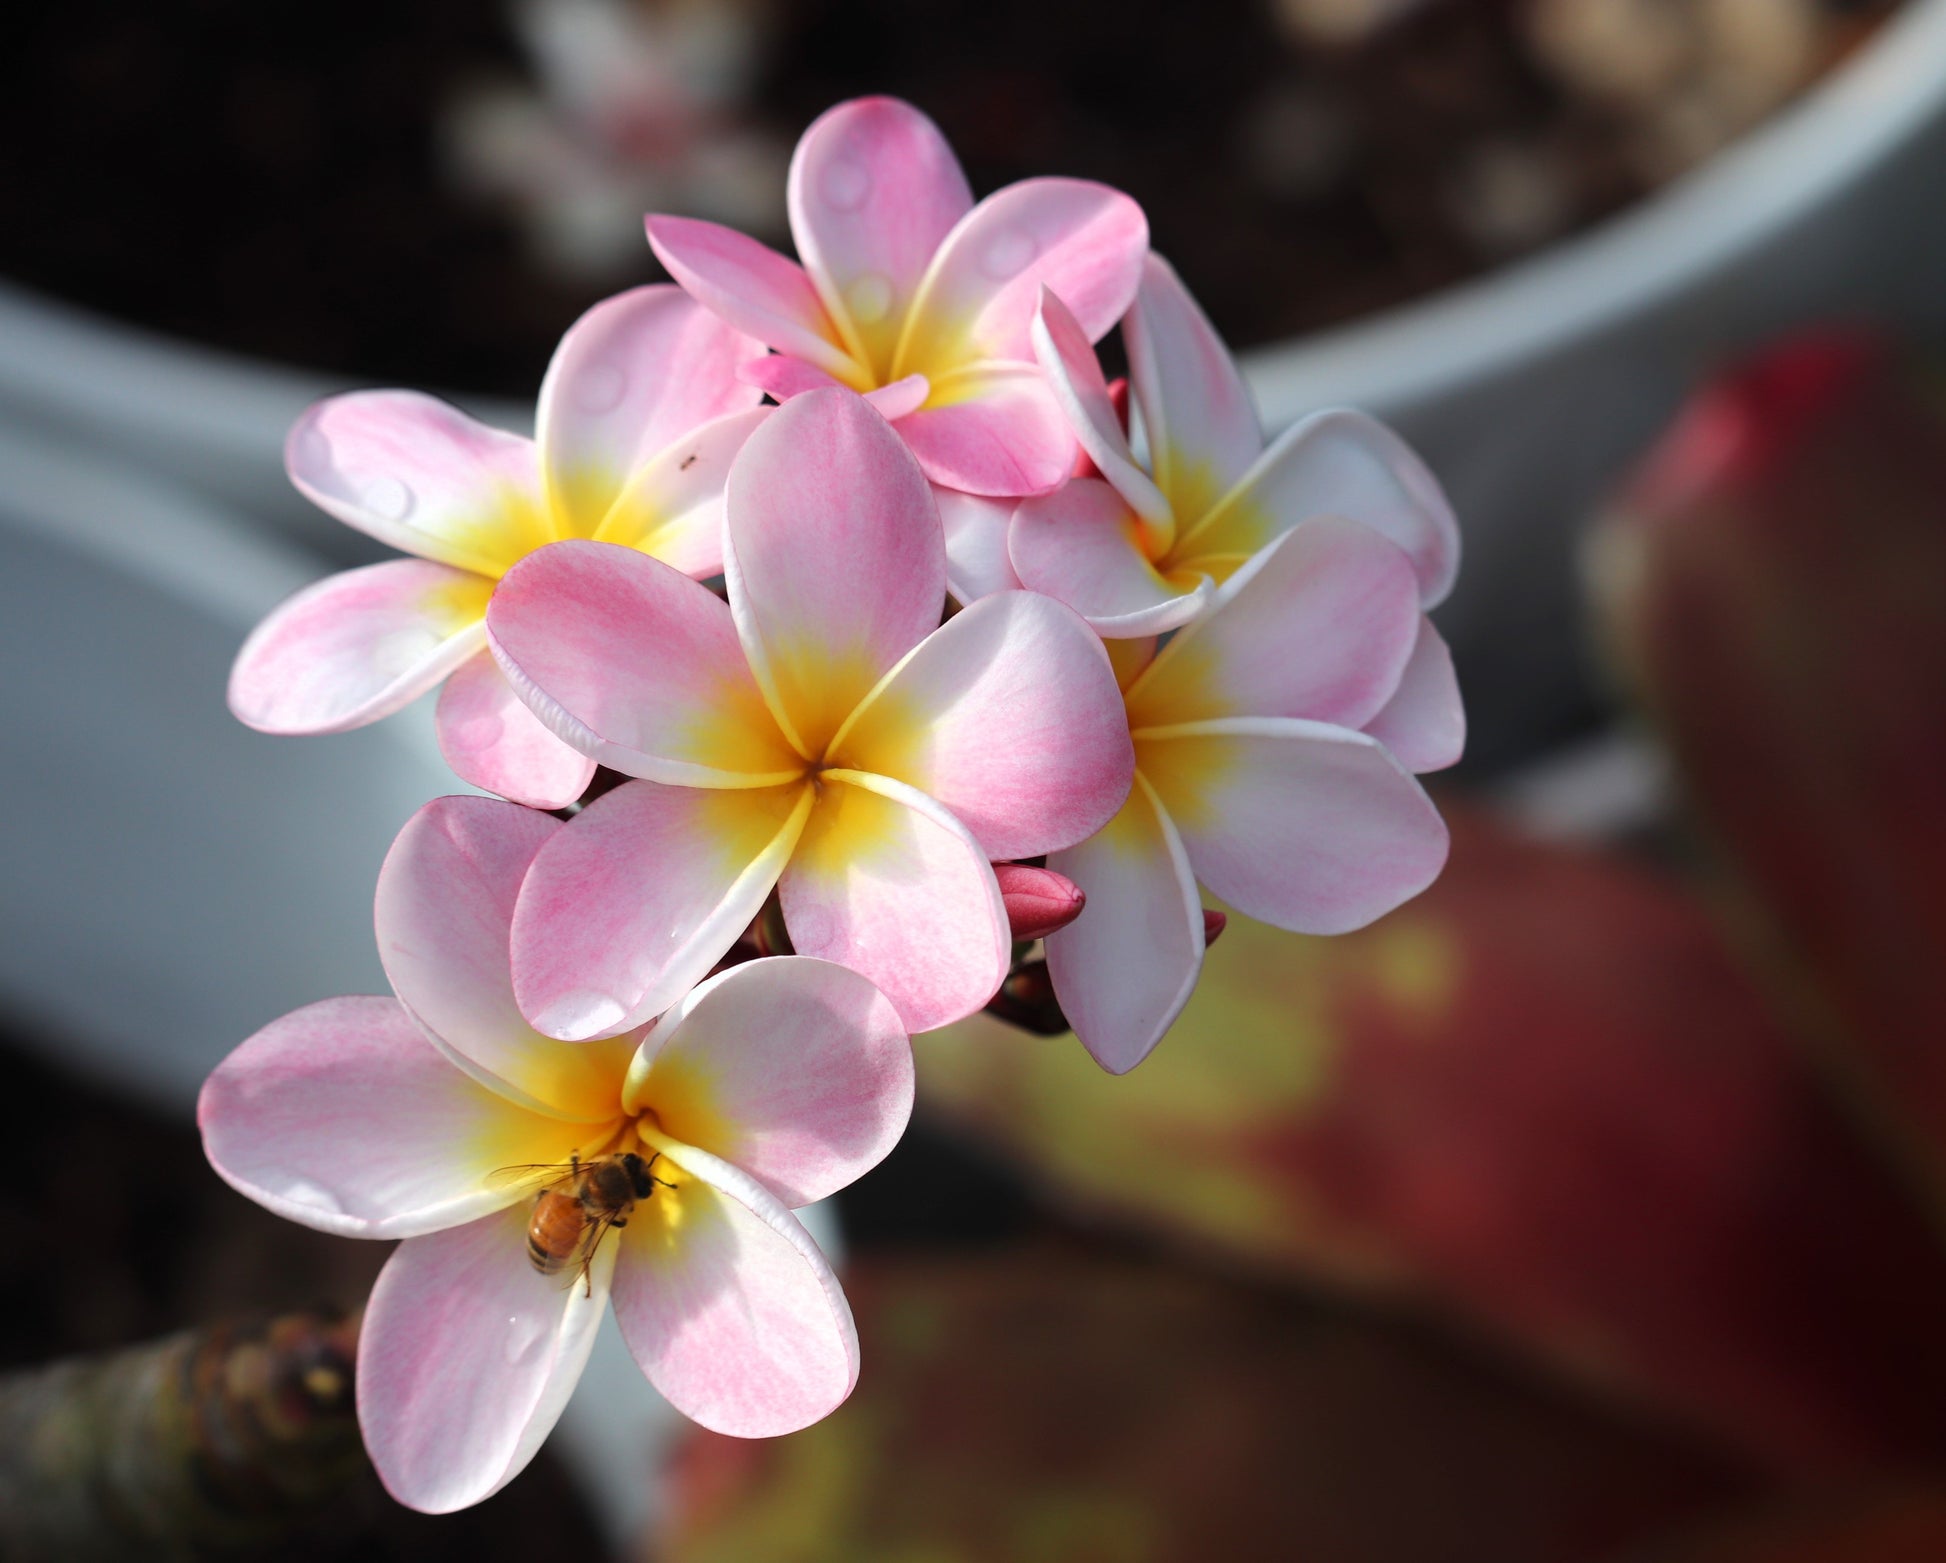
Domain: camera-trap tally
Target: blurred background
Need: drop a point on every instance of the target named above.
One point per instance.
(1590, 1209)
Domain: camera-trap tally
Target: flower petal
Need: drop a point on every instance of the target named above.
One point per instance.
(492, 741)
(874, 190)
(357, 646)
(344, 1117)
(633, 375)
(1196, 411)
(1082, 546)
(1067, 357)
(885, 881)
(1319, 625)
(636, 665)
(443, 911)
(1009, 717)
(728, 1305)
(754, 289)
(834, 557)
(631, 905)
(1083, 240)
(976, 544)
(1124, 969)
(1301, 825)
(673, 507)
(1341, 463)
(421, 476)
(995, 430)
(466, 1358)
(796, 1070)
(1424, 723)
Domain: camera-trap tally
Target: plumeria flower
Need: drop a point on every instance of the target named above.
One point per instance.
(639, 415)
(1276, 739)
(912, 294)
(822, 732)
(418, 1117)
(1138, 550)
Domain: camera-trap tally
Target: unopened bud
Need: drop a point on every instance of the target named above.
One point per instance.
(1038, 900)
(1213, 925)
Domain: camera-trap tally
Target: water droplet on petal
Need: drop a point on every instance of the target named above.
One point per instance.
(527, 1335)
(845, 185)
(386, 498)
(303, 1191)
(598, 389)
(869, 298)
(1008, 254)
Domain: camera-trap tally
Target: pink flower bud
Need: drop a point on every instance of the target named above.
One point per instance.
(1038, 900)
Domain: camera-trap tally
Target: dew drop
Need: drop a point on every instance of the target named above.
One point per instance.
(869, 298)
(386, 497)
(303, 1192)
(845, 185)
(598, 389)
(1008, 254)
(811, 928)
(526, 1335)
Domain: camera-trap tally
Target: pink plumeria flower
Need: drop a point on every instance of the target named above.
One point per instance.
(1276, 739)
(822, 732)
(912, 294)
(424, 1116)
(639, 415)
(1138, 550)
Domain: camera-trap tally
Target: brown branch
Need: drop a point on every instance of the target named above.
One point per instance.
(203, 1444)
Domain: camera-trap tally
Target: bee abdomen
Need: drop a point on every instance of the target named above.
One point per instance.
(554, 1231)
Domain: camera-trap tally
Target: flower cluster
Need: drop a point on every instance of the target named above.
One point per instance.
(925, 664)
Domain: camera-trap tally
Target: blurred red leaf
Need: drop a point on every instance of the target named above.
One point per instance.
(1544, 1094)
(1775, 584)
(1056, 1406)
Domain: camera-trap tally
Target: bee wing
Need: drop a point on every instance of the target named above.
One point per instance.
(534, 1175)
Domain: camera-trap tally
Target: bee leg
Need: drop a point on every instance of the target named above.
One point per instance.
(619, 1221)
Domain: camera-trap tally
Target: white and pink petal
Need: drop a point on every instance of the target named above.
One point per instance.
(343, 1116)
(1303, 825)
(1424, 723)
(727, 1304)
(466, 1358)
(994, 430)
(358, 646)
(494, 742)
(1067, 358)
(1009, 716)
(1082, 545)
(796, 1070)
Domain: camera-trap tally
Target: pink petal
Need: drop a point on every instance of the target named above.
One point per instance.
(995, 430)
(885, 881)
(1319, 625)
(834, 557)
(1338, 463)
(635, 665)
(874, 190)
(1424, 723)
(466, 1359)
(754, 289)
(631, 905)
(783, 377)
(494, 742)
(1302, 825)
(445, 903)
(1196, 411)
(672, 508)
(796, 1070)
(421, 476)
(728, 1306)
(633, 375)
(1007, 715)
(343, 1117)
(1082, 546)
(901, 398)
(1083, 240)
(1067, 357)
(1125, 968)
(976, 544)
(357, 646)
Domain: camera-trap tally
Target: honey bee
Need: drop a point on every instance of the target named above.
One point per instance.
(580, 1203)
